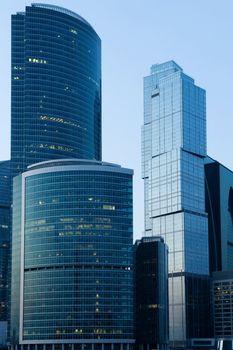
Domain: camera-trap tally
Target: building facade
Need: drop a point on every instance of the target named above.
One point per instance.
(173, 151)
(222, 290)
(72, 258)
(219, 205)
(151, 280)
(5, 214)
(56, 87)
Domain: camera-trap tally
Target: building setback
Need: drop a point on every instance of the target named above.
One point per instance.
(56, 87)
(173, 151)
(72, 259)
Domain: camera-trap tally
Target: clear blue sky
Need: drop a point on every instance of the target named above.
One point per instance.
(135, 34)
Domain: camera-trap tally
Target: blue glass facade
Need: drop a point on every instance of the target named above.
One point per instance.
(5, 213)
(56, 87)
(72, 262)
(173, 151)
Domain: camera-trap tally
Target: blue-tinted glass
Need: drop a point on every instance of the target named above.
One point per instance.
(56, 87)
(78, 273)
(173, 151)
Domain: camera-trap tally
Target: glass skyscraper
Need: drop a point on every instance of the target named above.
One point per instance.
(5, 214)
(219, 205)
(56, 87)
(72, 259)
(151, 285)
(222, 290)
(173, 151)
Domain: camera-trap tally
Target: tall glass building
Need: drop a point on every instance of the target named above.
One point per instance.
(151, 286)
(219, 205)
(222, 291)
(72, 276)
(173, 151)
(56, 87)
(5, 214)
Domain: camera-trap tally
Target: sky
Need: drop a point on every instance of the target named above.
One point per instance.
(135, 34)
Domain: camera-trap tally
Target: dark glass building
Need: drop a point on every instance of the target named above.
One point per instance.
(56, 87)
(199, 316)
(72, 275)
(223, 308)
(5, 212)
(151, 278)
(219, 205)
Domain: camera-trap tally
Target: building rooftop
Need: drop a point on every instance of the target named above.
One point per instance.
(222, 275)
(62, 10)
(70, 161)
(81, 163)
(161, 67)
(149, 240)
(210, 160)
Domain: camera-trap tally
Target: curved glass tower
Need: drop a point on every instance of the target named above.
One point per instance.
(56, 87)
(72, 279)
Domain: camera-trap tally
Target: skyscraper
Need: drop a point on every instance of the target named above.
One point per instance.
(151, 285)
(173, 151)
(219, 205)
(72, 275)
(222, 291)
(56, 87)
(5, 214)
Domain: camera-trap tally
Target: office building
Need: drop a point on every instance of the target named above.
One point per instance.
(173, 151)
(151, 272)
(219, 205)
(72, 258)
(223, 308)
(56, 87)
(5, 212)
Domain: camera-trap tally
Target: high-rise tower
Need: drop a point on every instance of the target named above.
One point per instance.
(173, 151)
(72, 273)
(219, 205)
(56, 87)
(5, 215)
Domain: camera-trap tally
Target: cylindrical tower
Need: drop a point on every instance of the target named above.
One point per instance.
(72, 278)
(56, 87)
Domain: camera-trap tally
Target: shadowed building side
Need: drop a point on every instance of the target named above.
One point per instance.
(151, 284)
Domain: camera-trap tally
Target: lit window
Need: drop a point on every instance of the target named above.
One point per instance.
(60, 120)
(37, 60)
(73, 31)
(109, 207)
